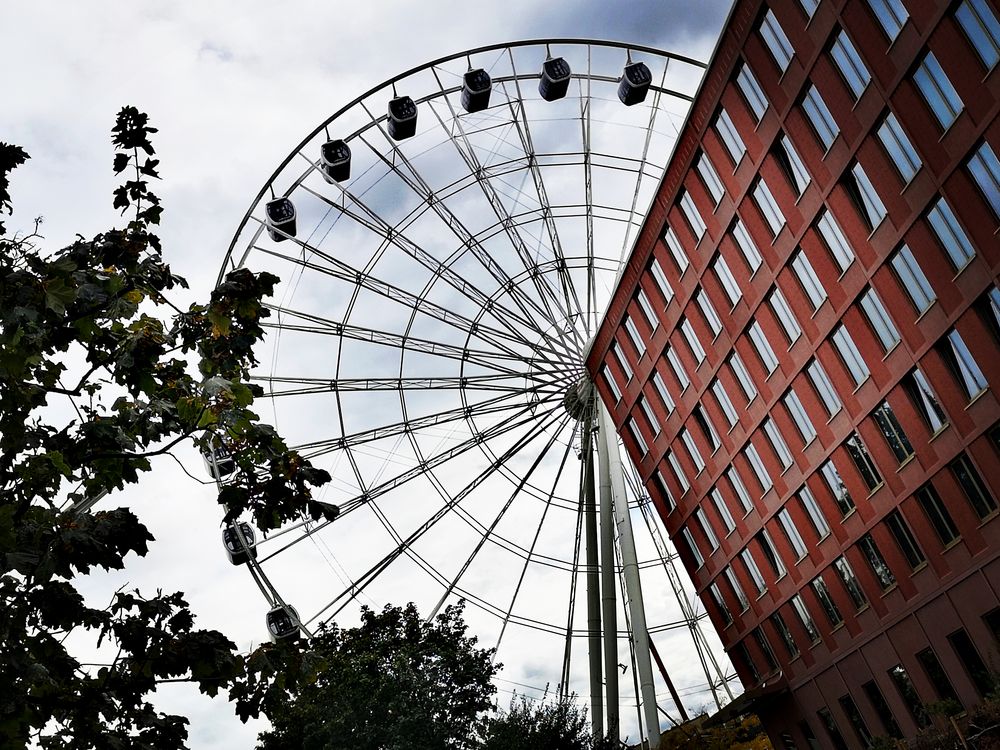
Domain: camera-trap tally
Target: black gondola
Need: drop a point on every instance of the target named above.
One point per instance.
(283, 623)
(634, 83)
(554, 82)
(476, 90)
(402, 118)
(280, 214)
(239, 552)
(218, 459)
(336, 161)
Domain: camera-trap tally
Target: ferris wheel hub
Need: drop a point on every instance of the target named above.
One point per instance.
(578, 398)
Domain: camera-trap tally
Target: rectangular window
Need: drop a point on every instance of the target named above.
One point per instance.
(876, 562)
(809, 7)
(882, 709)
(912, 279)
(706, 529)
(676, 249)
(776, 41)
(752, 92)
(695, 552)
(890, 14)
(904, 539)
(707, 428)
(782, 311)
(730, 136)
(950, 234)
(785, 634)
(866, 198)
(820, 117)
(799, 416)
(850, 709)
(663, 393)
(633, 334)
(693, 215)
(940, 95)
(898, 147)
(743, 653)
(765, 649)
(763, 348)
(808, 279)
(925, 400)
(660, 278)
(708, 310)
(728, 410)
(792, 533)
(937, 513)
(849, 63)
(699, 463)
(972, 486)
(858, 452)
(742, 376)
(758, 467)
(746, 245)
(990, 309)
(851, 583)
(814, 512)
(966, 651)
(837, 487)
(879, 319)
(892, 431)
(832, 730)
(647, 310)
(723, 510)
(985, 170)
(637, 437)
(654, 423)
(824, 388)
(678, 472)
(826, 601)
(612, 384)
(720, 604)
(901, 679)
(678, 368)
(734, 583)
(778, 443)
(665, 493)
(937, 676)
(962, 364)
(771, 554)
(726, 279)
(622, 361)
(790, 163)
(692, 339)
(753, 571)
(850, 355)
(980, 25)
(768, 207)
(805, 618)
(739, 489)
(711, 178)
(835, 240)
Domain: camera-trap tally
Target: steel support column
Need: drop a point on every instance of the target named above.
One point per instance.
(608, 583)
(593, 572)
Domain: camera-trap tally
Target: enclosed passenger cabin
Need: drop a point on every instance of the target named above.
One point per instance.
(554, 82)
(476, 90)
(218, 459)
(634, 83)
(402, 118)
(280, 214)
(239, 549)
(335, 160)
(283, 623)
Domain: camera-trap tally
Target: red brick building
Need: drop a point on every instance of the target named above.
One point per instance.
(803, 359)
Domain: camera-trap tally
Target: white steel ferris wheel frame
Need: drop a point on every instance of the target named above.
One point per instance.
(518, 322)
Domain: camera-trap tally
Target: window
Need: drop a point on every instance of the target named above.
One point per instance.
(768, 207)
(835, 240)
(739, 489)
(746, 245)
(972, 661)
(753, 571)
(985, 170)
(695, 552)
(742, 376)
(663, 393)
(851, 583)
(972, 486)
(905, 540)
(785, 634)
(940, 95)
(758, 467)
(863, 461)
(737, 589)
(878, 318)
(950, 234)
(726, 279)
(711, 178)
(826, 601)
(792, 533)
(790, 163)
(963, 366)
(909, 694)
(937, 676)
(771, 554)
(882, 709)
(778, 443)
(850, 355)
(820, 117)
(837, 487)
(730, 136)
(813, 511)
(765, 648)
(699, 463)
(622, 362)
(743, 653)
(612, 384)
(876, 562)
(763, 348)
(752, 93)
(937, 513)
(824, 388)
(808, 279)
(723, 510)
(633, 334)
(980, 24)
(785, 316)
(805, 618)
(678, 368)
(912, 279)
(708, 430)
(809, 7)
(776, 41)
(849, 63)
(990, 309)
(890, 14)
(850, 709)
(637, 437)
(892, 431)
(720, 604)
(706, 529)
(675, 247)
(654, 423)
(992, 621)
(708, 310)
(647, 310)
(799, 416)
(692, 339)
(693, 215)
(661, 485)
(898, 147)
(678, 471)
(865, 197)
(832, 730)
(660, 278)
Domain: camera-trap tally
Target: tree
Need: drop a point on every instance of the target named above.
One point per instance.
(85, 322)
(542, 725)
(396, 682)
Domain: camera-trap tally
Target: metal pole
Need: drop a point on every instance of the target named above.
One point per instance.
(610, 614)
(670, 683)
(626, 542)
(593, 574)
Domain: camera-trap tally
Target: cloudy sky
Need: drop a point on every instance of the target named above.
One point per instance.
(232, 93)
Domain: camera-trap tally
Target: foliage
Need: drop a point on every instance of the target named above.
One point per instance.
(395, 682)
(542, 725)
(84, 322)
(745, 733)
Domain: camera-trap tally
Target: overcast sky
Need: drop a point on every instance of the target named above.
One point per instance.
(232, 88)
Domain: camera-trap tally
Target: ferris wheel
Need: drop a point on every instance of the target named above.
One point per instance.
(447, 244)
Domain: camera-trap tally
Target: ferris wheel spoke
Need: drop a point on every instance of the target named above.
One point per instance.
(571, 608)
(308, 386)
(588, 186)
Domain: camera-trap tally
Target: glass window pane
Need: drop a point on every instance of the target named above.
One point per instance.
(776, 41)
(678, 472)
(675, 247)
(663, 393)
(912, 279)
(851, 583)
(940, 95)
(865, 196)
(693, 215)
(711, 178)
(734, 583)
(753, 457)
(742, 376)
(850, 64)
(637, 437)
(768, 207)
(777, 443)
(962, 364)
(985, 170)
(695, 552)
(830, 608)
(792, 533)
(876, 562)
(808, 279)
(611, 383)
(647, 310)
(904, 539)
(739, 489)
(891, 15)
(724, 402)
(708, 310)
(622, 361)
(814, 512)
(821, 382)
(897, 145)
(763, 347)
(783, 312)
(972, 487)
(937, 513)
(858, 452)
(850, 355)
(835, 240)
(692, 339)
(837, 487)
(752, 92)
(892, 431)
(679, 372)
(950, 234)
(909, 694)
(730, 136)
(726, 279)
(662, 284)
(799, 416)
(820, 117)
(723, 510)
(980, 24)
(805, 618)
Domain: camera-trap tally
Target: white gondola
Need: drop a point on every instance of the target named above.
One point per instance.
(239, 550)
(402, 118)
(554, 81)
(476, 90)
(218, 459)
(634, 83)
(283, 623)
(335, 157)
(280, 214)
